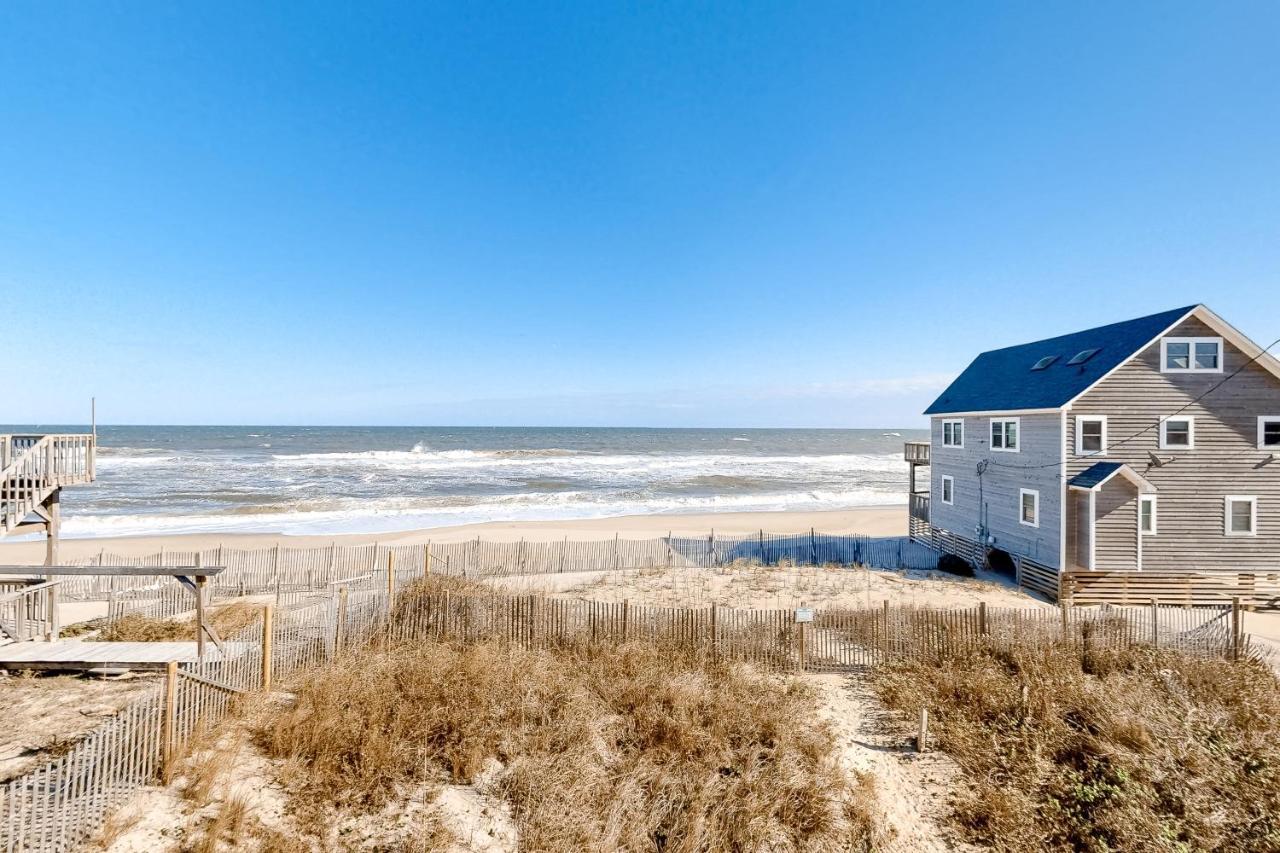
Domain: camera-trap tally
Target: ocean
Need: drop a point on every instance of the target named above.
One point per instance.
(328, 480)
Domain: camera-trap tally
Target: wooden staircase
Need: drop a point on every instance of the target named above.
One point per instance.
(33, 471)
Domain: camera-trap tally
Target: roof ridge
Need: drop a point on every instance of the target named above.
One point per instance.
(1105, 326)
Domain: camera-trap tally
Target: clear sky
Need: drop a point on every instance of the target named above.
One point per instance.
(749, 214)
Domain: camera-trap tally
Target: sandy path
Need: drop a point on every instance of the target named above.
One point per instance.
(911, 789)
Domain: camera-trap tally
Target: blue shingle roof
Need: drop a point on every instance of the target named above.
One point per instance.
(1002, 380)
(1094, 474)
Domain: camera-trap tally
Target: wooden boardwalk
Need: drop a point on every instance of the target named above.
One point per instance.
(83, 654)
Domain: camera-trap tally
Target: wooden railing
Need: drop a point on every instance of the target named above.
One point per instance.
(30, 613)
(916, 451)
(33, 466)
(1254, 589)
(918, 506)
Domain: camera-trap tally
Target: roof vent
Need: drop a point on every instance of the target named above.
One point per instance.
(1044, 362)
(1084, 355)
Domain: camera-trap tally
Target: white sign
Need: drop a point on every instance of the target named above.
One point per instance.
(804, 614)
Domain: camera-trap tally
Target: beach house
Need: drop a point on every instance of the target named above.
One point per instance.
(1113, 459)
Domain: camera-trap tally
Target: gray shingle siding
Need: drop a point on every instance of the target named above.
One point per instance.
(1192, 486)
(1032, 467)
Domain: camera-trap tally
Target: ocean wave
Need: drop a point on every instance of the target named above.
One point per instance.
(399, 514)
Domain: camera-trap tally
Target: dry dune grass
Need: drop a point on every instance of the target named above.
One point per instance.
(226, 620)
(1132, 750)
(605, 748)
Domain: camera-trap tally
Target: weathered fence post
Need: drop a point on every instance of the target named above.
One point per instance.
(340, 628)
(426, 559)
(1155, 623)
(982, 617)
(626, 617)
(391, 590)
(714, 609)
(800, 643)
(922, 736)
(1237, 631)
(167, 734)
(887, 643)
(267, 611)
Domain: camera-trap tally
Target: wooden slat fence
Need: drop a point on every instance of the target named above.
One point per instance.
(1259, 589)
(294, 575)
(59, 805)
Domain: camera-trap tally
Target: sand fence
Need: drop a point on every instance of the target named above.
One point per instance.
(334, 599)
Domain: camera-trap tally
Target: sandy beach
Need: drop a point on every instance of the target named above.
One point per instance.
(872, 521)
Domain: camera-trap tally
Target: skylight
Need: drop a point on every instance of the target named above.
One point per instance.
(1084, 355)
(1044, 362)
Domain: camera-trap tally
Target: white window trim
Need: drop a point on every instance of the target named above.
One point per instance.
(1017, 422)
(1191, 433)
(1262, 424)
(1155, 515)
(1022, 493)
(1191, 355)
(1080, 419)
(954, 423)
(947, 478)
(1252, 500)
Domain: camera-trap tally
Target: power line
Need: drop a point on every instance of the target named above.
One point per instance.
(1075, 456)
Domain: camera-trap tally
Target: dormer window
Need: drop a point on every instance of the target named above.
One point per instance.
(1191, 355)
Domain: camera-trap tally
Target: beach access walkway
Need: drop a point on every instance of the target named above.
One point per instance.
(83, 655)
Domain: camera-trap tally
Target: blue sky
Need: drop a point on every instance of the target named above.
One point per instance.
(605, 214)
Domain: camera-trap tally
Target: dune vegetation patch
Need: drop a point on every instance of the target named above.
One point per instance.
(1109, 751)
(612, 747)
(134, 627)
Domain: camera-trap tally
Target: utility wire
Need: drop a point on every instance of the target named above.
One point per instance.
(1075, 456)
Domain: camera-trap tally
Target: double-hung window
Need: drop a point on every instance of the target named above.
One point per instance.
(1147, 515)
(953, 433)
(1091, 435)
(1269, 432)
(1241, 515)
(948, 489)
(1029, 507)
(1191, 355)
(1177, 433)
(1004, 434)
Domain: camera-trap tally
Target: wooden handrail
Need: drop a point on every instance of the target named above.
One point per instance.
(14, 596)
(33, 467)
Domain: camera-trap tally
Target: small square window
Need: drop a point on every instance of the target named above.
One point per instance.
(1241, 515)
(948, 489)
(1091, 435)
(1029, 511)
(953, 433)
(1177, 433)
(1004, 435)
(1178, 355)
(1207, 355)
(1269, 433)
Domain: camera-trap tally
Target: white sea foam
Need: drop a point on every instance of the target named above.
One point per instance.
(332, 480)
(399, 514)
